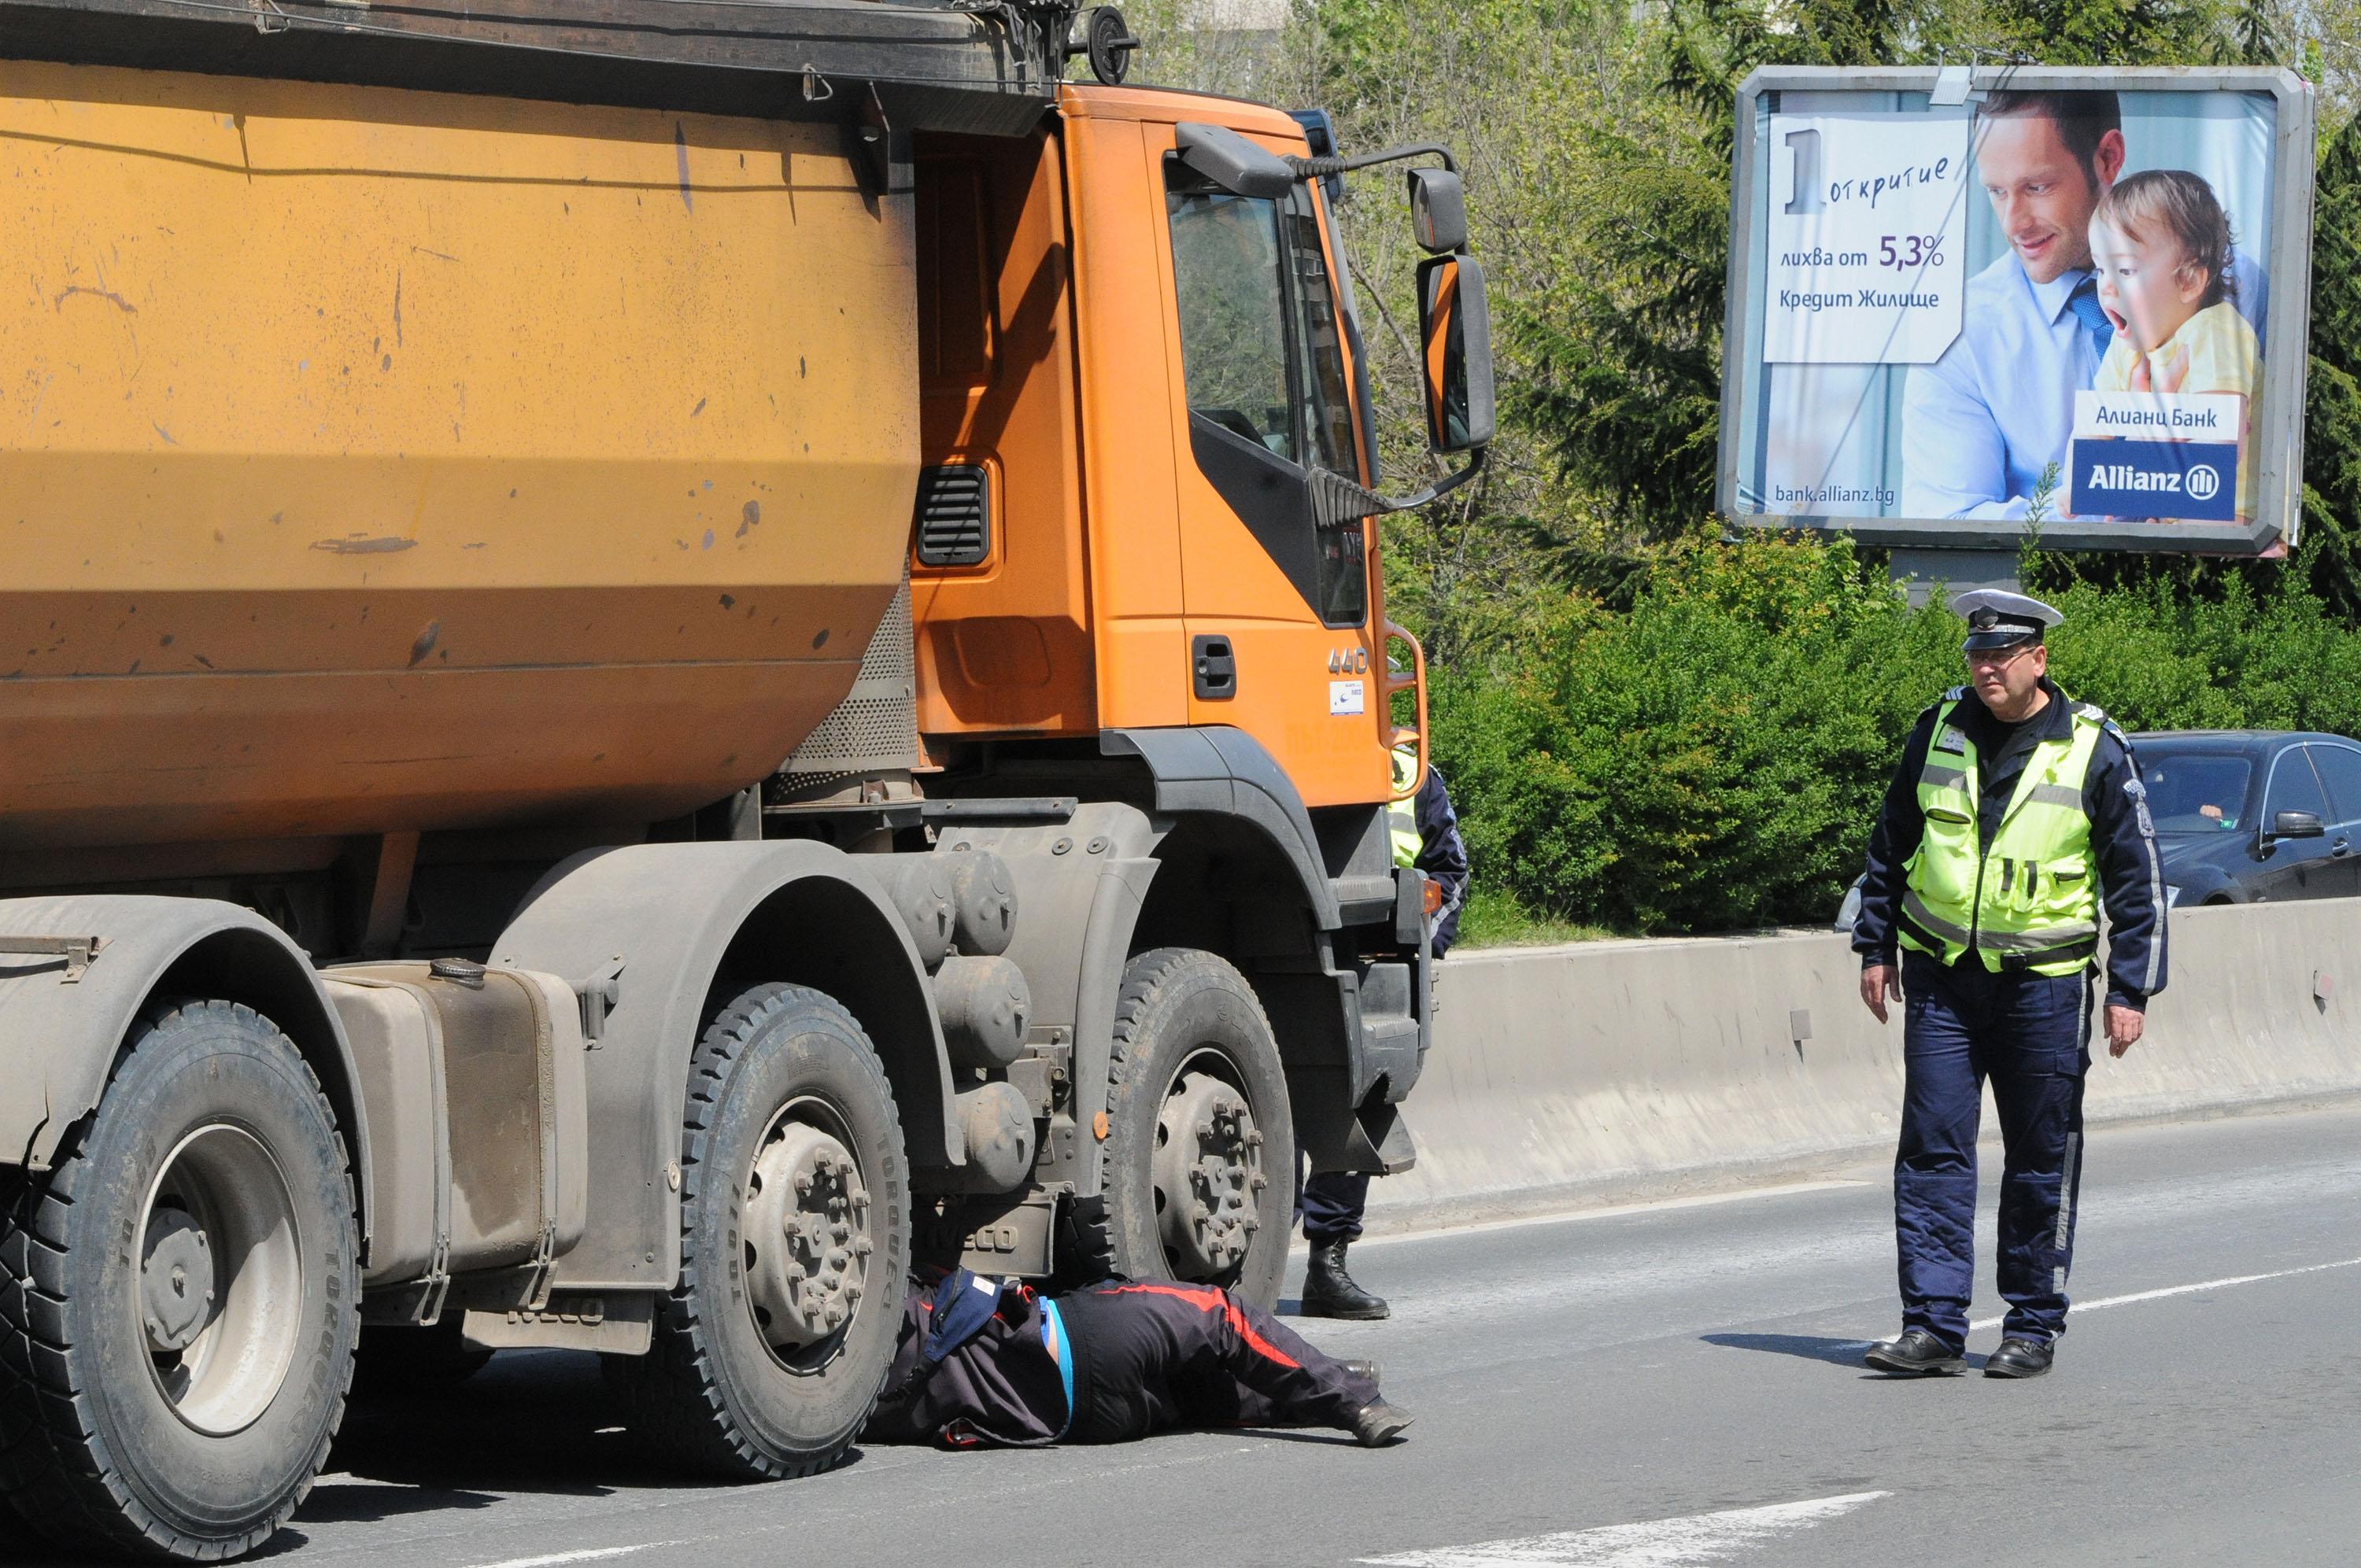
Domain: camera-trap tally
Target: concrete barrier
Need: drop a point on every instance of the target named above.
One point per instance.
(1609, 1070)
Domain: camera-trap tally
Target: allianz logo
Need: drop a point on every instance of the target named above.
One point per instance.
(2204, 480)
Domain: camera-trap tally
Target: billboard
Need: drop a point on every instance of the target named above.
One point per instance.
(1967, 304)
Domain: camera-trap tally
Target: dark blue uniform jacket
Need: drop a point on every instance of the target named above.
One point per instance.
(2131, 878)
(1441, 855)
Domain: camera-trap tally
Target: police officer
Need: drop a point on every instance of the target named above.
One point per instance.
(2014, 813)
(1425, 833)
(984, 1361)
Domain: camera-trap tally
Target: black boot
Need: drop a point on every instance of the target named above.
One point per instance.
(1329, 1291)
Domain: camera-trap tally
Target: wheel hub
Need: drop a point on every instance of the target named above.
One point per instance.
(1209, 1174)
(176, 1279)
(806, 1236)
(220, 1298)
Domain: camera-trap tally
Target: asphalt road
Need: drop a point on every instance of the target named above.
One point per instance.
(1646, 1388)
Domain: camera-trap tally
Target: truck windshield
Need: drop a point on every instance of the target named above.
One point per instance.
(1262, 350)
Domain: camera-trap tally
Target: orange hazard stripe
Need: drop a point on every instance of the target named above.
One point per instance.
(1206, 1300)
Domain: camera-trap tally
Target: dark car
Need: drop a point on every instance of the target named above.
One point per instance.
(2247, 816)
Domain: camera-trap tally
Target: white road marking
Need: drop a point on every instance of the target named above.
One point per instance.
(2103, 1301)
(1696, 1201)
(1657, 1543)
(592, 1555)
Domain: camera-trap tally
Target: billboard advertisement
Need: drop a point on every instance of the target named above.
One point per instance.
(1964, 304)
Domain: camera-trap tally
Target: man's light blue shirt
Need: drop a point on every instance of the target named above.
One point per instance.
(1980, 424)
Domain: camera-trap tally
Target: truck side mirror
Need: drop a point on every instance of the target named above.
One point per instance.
(1438, 211)
(1232, 162)
(1455, 327)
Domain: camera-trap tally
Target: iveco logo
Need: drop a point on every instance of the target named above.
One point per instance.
(2204, 482)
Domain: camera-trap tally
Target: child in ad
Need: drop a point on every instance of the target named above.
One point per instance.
(2160, 244)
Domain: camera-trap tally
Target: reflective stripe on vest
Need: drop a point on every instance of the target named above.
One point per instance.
(2029, 899)
(1401, 812)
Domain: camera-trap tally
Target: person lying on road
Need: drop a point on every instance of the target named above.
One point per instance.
(985, 1361)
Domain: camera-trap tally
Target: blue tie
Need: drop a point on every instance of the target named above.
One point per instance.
(2084, 302)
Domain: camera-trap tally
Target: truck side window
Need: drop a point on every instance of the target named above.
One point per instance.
(1226, 258)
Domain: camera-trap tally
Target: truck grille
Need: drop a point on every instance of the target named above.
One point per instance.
(954, 516)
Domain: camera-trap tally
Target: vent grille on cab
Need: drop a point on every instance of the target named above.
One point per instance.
(954, 516)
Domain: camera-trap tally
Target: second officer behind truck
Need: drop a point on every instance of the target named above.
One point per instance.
(2013, 814)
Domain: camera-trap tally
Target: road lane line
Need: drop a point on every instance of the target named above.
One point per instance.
(2186, 1290)
(590, 1555)
(1657, 1543)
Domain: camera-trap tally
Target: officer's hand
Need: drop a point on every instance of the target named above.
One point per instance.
(1878, 983)
(2124, 1026)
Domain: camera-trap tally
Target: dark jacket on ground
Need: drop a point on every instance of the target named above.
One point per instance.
(2122, 838)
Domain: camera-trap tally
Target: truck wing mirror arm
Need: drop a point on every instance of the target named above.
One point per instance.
(1339, 502)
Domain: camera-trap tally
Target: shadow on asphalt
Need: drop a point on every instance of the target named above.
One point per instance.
(1843, 1353)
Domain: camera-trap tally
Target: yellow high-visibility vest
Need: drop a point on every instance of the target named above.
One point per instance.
(2029, 900)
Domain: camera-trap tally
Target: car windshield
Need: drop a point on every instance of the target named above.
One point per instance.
(2196, 791)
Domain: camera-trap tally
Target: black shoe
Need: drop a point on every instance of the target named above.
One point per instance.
(2019, 1357)
(1329, 1291)
(1917, 1353)
(1380, 1423)
(1364, 1369)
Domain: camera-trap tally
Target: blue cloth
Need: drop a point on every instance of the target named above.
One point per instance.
(2122, 838)
(1053, 1334)
(1980, 424)
(2084, 302)
(2029, 1035)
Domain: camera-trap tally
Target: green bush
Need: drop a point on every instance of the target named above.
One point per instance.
(1712, 759)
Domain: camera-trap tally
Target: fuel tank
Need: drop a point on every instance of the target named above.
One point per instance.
(375, 460)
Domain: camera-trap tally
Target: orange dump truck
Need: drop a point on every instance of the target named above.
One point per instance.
(658, 658)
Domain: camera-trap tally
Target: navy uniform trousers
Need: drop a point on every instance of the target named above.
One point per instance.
(2029, 1035)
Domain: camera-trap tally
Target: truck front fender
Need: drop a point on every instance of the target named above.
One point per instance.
(64, 1017)
(689, 925)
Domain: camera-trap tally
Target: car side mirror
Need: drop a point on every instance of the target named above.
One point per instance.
(2295, 824)
(1455, 323)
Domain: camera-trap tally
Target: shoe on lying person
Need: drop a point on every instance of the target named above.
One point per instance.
(1917, 1353)
(1380, 1423)
(2018, 1358)
(1368, 1370)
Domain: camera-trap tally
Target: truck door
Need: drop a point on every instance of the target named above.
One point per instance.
(1279, 609)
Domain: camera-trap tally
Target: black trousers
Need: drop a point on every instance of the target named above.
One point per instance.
(1163, 1355)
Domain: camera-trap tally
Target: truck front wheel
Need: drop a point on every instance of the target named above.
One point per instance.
(178, 1298)
(795, 1244)
(1199, 1150)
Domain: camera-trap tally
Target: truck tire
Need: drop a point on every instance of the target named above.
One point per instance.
(795, 1243)
(173, 1394)
(1199, 1157)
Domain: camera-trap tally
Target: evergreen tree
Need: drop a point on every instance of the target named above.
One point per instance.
(2329, 552)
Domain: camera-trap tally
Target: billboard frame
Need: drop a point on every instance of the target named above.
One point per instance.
(2278, 453)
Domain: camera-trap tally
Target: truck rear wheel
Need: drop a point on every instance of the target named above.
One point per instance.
(179, 1298)
(1199, 1150)
(795, 1244)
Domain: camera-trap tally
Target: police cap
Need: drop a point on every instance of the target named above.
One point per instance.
(1997, 619)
